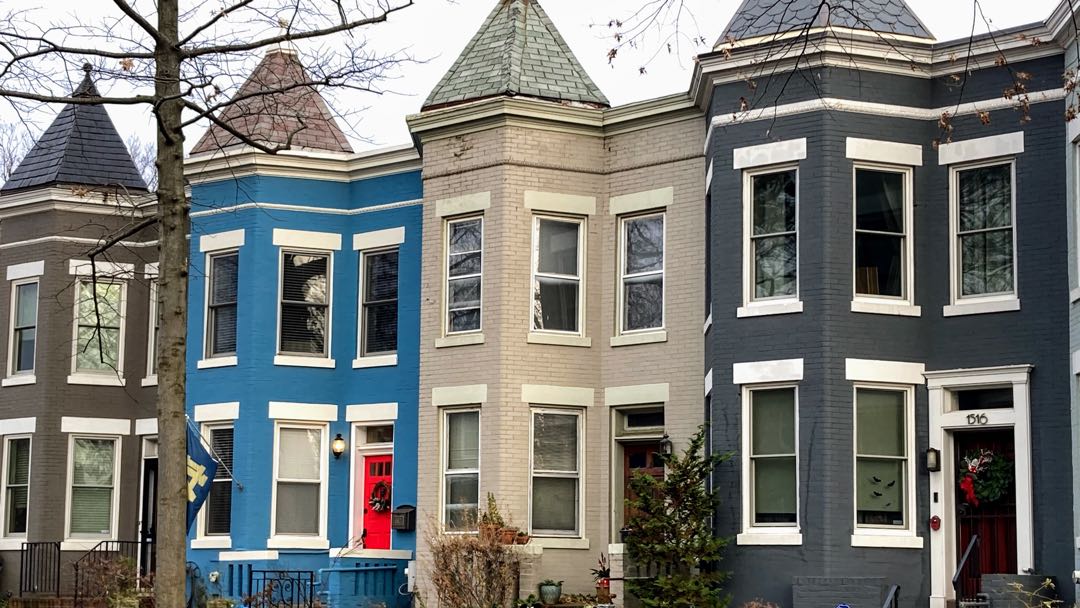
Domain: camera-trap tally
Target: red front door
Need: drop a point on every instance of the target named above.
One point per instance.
(375, 502)
(994, 522)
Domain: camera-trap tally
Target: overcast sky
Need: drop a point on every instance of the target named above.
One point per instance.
(436, 31)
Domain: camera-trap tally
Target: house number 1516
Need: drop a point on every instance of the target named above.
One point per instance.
(977, 419)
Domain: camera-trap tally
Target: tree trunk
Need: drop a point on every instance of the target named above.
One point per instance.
(172, 211)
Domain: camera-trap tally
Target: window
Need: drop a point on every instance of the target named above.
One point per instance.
(773, 235)
(881, 458)
(464, 273)
(24, 327)
(93, 480)
(461, 469)
(984, 230)
(98, 334)
(299, 472)
(221, 305)
(557, 274)
(305, 304)
(642, 272)
(151, 350)
(383, 433)
(773, 460)
(379, 299)
(556, 472)
(219, 502)
(882, 246)
(16, 485)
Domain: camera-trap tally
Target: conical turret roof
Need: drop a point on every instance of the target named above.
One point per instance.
(80, 147)
(770, 17)
(517, 51)
(286, 115)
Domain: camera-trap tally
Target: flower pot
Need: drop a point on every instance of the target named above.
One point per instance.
(521, 539)
(507, 535)
(603, 591)
(550, 594)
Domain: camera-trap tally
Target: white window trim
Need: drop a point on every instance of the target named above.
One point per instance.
(466, 204)
(104, 377)
(367, 413)
(981, 148)
(220, 241)
(461, 338)
(209, 360)
(879, 304)
(774, 153)
(381, 244)
(636, 394)
(886, 152)
(888, 536)
(459, 395)
(582, 256)
(116, 487)
(554, 202)
(647, 334)
(978, 304)
(580, 415)
(26, 270)
(151, 350)
(4, 485)
(444, 448)
(215, 541)
(640, 202)
(19, 378)
(303, 412)
(298, 541)
(325, 360)
(751, 534)
(216, 412)
(545, 394)
(776, 305)
(105, 270)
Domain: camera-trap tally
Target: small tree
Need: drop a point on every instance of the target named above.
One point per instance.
(670, 533)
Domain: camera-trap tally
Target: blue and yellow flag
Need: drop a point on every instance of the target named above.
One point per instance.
(201, 468)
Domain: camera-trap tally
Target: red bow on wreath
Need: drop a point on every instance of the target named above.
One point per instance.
(967, 484)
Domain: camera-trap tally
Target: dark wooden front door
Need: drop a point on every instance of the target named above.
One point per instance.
(148, 527)
(993, 521)
(640, 458)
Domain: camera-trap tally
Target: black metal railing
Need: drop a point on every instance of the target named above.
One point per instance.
(39, 568)
(281, 588)
(91, 564)
(968, 570)
(892, 600)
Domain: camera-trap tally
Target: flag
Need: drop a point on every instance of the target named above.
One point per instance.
(201, 468)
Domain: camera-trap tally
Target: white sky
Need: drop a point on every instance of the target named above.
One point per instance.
(435, 31)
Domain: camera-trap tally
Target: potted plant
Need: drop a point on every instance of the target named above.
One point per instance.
(491, 521)
(507, 535)
(550, 591)
(602, 575)
(522, 538)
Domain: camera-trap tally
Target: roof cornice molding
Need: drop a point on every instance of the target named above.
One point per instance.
(79, 199)
(301, 164)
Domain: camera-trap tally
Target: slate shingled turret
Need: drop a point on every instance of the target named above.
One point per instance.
(771, 17)
(80, 147)
(517, 51)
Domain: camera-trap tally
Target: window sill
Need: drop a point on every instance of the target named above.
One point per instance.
(297, 542)
(213, 362)
(150, 380)
(1074, 295)
(887, 541)
(459, 340)
(297, 361)
(899, 309)
(762, 309)
(769, 538)
(375, 361)
(11, 544)
(555, 542)
(645, 337)
(95, 379)
(531, 549)
(558, 340)
(81, 544)
(357, 553)
(977, 307)
(19, 380)
(212, 542)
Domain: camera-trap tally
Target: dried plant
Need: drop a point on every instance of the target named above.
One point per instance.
(470, 571)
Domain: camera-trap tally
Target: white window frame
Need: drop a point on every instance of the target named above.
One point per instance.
(27, 377)
(1074, 293)
(382, 358)
(116, 487)
(99, 377)
(620, 295)
(776, 534)
(210, 359)
(580, 278)
(778, 304)
(881, 304)
(301, 541)
(202, 539)
(580, 476)
(447, 224)
(151, 332)
(304, 359)
(4, 483)
(975, 304)
(878, 535)
(444, 458)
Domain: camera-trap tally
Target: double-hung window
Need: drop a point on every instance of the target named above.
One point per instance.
(16, 485)
(557, 273)
(93, 473)
(99, 318)
(984, 239)
(299, 481)
(305, 304)
(556, 472)
(461, 469)
(219, 502)
(151, 347)
(221, 304)
(772, 245)
(379, 303)
(464, 274)
(642, 272)
(882, 458)
(773, 457)
(24, 307)
(883, 254)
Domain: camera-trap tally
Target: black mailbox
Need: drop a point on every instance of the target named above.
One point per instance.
(403, 518)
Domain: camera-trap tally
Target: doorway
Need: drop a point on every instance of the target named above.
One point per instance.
(148, 508)
(640, 458)
(985, 504)
(377, 497)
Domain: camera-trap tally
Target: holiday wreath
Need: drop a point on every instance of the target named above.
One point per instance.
(379, 500)
(985, 476)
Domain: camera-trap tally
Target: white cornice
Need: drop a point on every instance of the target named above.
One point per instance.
(243, 162)
(68, 199)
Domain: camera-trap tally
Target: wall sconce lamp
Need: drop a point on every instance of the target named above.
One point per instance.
(337, 446)
(933, 460)
(666, 448)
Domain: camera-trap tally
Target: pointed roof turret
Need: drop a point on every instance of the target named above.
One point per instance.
(517, 51)
(288, 114)
(80, 147)
(769, 17)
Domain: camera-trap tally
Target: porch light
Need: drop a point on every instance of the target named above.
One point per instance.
(338, 446)
(933, 460)
(666, 448)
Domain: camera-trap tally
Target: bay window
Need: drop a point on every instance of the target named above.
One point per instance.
(557, 272)
(642, 272)
(221, 304)
(299, 478)
(99, 318)
(305, 304)
(773, 457)
(882, 458)
(984, 230)
(16, 485)
(556, 472)
(461, 469)
(882, 244)
(379, 303)
(23, 327)
(92, 493)
(773, 235)
(464, 274)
